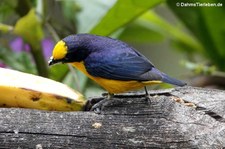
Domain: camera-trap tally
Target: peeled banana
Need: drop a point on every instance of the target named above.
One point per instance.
(23, 90)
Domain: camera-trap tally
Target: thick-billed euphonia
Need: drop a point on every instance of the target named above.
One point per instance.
(111, 63)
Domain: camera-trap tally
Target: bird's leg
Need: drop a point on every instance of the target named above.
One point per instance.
(110, 95)
(147, 96)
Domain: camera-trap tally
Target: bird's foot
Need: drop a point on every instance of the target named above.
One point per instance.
(97, 108)
(96, 104)
(91, 102)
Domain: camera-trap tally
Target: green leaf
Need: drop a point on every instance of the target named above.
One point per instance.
(138, 33)
(58, 72)
(172, 32)
(86, 19)
(122, 13)
(29, 28)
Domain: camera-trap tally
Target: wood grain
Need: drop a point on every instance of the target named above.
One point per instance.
(127, 121)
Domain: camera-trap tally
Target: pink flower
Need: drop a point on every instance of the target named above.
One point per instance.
(47, 46)
(18, 45)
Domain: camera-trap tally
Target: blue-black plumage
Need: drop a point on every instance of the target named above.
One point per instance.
(110, 59)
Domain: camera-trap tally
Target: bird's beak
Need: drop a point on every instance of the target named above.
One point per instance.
(52, 61)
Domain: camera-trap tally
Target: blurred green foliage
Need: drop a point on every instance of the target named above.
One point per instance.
(198, 31)
(25, 25)
(207, 24)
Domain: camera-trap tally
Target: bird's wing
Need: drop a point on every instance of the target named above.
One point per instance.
(121, 66)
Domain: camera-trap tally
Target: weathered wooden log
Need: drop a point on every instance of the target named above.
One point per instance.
(127, 121)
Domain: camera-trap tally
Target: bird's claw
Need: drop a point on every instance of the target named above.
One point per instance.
(148, 100)
(97, 107)
(91, 103)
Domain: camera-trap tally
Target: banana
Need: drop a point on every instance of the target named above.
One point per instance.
(23, 90)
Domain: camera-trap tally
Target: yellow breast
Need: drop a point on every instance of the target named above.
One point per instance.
(114, 86)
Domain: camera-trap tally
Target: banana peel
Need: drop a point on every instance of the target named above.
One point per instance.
(23, 90)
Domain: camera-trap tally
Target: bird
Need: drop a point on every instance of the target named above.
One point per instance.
(113, 64)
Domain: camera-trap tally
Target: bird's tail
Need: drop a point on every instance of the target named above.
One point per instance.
(170, 80)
